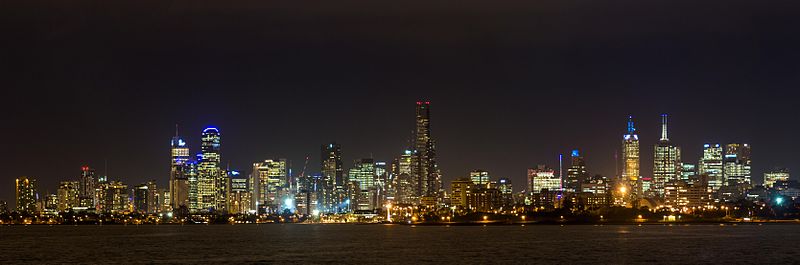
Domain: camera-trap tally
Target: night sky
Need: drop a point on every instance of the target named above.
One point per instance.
(511, 84)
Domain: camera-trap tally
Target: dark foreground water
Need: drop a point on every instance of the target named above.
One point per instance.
(299, 244)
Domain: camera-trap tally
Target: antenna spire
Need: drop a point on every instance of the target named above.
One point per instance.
(664, 128)
(631, 128)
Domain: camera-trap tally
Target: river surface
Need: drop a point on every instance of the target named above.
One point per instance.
(337, 244)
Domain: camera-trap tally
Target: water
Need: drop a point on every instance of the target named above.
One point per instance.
(294, 243)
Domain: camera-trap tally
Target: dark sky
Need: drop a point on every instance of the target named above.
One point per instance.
(512, 83)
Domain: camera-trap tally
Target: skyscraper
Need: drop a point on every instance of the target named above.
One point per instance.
(88, 184)
(542, 178)
(710, 165)
(363, 174)
(211, 183)
(68, 195)
(333, 188)
(631, 162)
(775, 175)
(666, 161)
(178, 178)
(737, 164)
(424, 165)
(576, 173)
(26, 195)
(479, 177)
(269, 181)
(404, 182)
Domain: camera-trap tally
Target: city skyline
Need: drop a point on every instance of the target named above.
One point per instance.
(177, 141)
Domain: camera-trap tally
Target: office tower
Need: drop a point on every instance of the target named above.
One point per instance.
(710, 166)
(542, 179)
(775, 175)
(363, 174)
(88, 184)
(631, 162)
(688, 172)
(737, 164)
(211, 182)
(26, 196)
(239, 193)
(479, 177)
(116, 197)
(405, 182)
(458, 192)
(381, 183)
(424, 167)
(68, 195)
(178, 179)
(576, 173)
(141, 193)
(152, 197)
(506, 191)
(192, 175)
(269, 180)
(666, 161)
(333, 190)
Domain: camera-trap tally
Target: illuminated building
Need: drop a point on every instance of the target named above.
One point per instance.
(711, 165)
(576, 173)
(269, 179)
(479, 177)
(88, 184)
(141, 193)
(667, 161)
(405, 183)
(542, 179)
(152, 197)
(506, 191)
(424, 166)
(211, 182)
(483, 199)
(688, 171)
(381, 182)
(594, 192)
(113, 197)
(26, 196)
(737, 164)
(178, 178)
(68, 195)
(363, 174)
(333, 190)
(459, 189)
(631, 162)
(240, 194)
(50, 204)
(773, 176)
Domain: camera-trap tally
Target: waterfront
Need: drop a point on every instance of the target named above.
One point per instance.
(296, 243)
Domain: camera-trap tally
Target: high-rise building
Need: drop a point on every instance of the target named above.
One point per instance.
(88, 185)
(688, 171)
(710, 165)
(737, 163)
(479, 177)
(68, 195)
(269, 185)
(542, 178)
(459, 190)
(363, 174)
(666, 161)
(152, 197)
(26, 194)
(576, 173)
(141, 193)
(239, 194)
(178, 178)
(775, 175)
(506, 191)
(211, 182)
(404, 182)
(333, 188)
(424, 166)
(631, 161)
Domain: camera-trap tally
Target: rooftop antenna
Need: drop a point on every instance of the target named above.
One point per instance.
(664, 128)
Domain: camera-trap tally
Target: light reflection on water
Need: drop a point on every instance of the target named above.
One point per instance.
(399, 244)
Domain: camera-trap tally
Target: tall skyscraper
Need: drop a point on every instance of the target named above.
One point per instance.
(737, 164)
(333, 189)
(666, 161)
(270, 186)
(68, 195)
(631, 162)
(26, 195)
(710, 165)
(542, 178)
(140, 195)
(404, 182)
(211, 183)
(88, 184)
(363, 174)
(479, 177)
(239, 194)
(576, 173)
(424, 165)
(178, 178)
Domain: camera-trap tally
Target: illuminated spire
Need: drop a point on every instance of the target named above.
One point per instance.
(664, 128)
(631, 129)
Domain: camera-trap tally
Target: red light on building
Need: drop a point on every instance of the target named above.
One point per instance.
(85, 168)
(419, 103)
